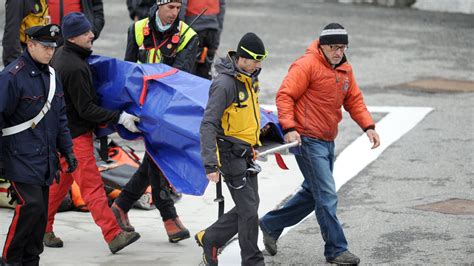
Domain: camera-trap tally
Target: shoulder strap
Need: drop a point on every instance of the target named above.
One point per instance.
(47, 105)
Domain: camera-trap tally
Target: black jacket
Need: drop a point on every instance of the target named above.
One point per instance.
(16, 10)
(83, 111)
(184, 60)
(30, 156)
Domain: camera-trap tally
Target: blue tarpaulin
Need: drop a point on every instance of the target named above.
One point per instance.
(170, 106)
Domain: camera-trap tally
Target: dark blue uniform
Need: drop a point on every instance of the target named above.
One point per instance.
(30, 157)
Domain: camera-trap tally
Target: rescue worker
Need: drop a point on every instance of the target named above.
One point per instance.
(208, 27)
(34, 129)
(21, 15)
(162, 38)
(232, 123)
(309, 105)
(84, 114)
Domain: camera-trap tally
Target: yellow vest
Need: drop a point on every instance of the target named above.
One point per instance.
(243, 122)
(151, 57)
(40, 17)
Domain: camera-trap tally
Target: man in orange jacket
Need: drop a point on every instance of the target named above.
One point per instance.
(309, 109)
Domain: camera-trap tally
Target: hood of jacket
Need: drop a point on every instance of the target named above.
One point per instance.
(228, 66)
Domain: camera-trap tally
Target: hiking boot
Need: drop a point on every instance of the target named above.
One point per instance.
(175, 230)
(122, 240)
(50, 240)
(269, 241)
(345, 258)
(209, 255)
(122, 218)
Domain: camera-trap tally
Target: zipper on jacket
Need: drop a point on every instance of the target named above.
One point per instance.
(228, 122)
(254, 111)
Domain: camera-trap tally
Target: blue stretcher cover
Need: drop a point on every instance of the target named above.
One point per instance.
(170, 104)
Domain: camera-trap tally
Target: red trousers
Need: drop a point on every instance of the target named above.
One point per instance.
(90, 183)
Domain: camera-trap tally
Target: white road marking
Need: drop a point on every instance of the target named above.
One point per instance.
(352, 160)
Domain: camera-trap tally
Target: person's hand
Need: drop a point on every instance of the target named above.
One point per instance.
(292, 136)
(213, 177)
(71, 162)
(373, 138)
(128, 121)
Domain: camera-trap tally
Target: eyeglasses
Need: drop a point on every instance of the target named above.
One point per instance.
(335, 48)
(258, 57)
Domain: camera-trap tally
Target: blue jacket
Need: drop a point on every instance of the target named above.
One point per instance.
(31, 156)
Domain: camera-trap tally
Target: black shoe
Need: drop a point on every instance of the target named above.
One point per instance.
(269, 241)
(345, 258)
(209, 256)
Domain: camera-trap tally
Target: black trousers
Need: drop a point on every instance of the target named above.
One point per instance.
(148, 174)
(24, 242)
(207, 38)
(243, 218)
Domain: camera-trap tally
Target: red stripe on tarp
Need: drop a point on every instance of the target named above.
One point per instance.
(154, 77)
(4, 190)
(281, 163)
(12, 229)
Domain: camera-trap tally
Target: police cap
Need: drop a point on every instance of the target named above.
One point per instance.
(46, 35)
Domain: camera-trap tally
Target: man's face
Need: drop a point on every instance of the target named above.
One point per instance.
(334, 52)
(84, 40)
(249, 65)
(40, 53)
(168, 12)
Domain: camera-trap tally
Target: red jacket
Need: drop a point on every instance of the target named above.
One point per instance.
(312, 93)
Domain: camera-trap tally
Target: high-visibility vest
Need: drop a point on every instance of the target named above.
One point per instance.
(37, 17)
(241, 119)
(195, 7)
(142, 29)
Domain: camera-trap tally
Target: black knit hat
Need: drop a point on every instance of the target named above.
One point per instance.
(251, 42)
(334, 33)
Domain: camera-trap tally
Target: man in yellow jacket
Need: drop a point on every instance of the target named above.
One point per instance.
(231, 126)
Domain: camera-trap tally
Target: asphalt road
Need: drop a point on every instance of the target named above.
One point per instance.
(433, 162)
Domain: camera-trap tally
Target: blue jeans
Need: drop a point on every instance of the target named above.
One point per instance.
(318, 193)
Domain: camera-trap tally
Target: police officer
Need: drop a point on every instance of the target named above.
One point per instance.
(232, 123)
(34, 129)
(161, 38)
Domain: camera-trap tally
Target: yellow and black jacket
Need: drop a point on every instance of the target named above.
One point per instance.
(232, 112)
(20, 15)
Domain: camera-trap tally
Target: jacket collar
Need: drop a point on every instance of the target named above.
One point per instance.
(314, 48)
(34, 68)
(81, 52)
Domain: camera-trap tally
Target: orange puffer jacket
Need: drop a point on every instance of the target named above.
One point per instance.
(311, 96)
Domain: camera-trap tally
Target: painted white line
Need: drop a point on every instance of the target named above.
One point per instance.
(352, 160)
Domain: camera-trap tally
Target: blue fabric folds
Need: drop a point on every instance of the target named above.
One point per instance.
(170, 116)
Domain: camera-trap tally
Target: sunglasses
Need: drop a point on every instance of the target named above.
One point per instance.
(258, 57)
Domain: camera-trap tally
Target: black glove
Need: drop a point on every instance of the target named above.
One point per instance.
(71, 162)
